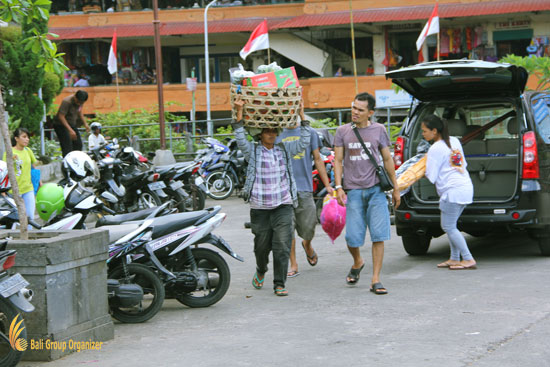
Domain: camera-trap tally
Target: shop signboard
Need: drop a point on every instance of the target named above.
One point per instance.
(386, 98)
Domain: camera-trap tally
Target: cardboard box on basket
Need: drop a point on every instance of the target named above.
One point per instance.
(285, 78)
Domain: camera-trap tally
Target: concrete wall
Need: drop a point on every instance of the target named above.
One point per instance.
(68, 273)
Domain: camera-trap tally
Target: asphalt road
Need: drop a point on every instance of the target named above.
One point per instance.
(495, 316)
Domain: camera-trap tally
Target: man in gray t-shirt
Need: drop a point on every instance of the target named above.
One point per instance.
(305, 215)
(366, 203)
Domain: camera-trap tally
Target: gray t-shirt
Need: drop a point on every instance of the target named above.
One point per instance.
(359, 172)
(301, 163)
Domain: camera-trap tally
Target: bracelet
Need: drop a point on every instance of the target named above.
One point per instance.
(337, 187)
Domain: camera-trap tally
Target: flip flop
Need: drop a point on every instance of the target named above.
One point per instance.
(354, 275)
(280, 291)
(445, 264)
(378, 288)
(313, 259)
(292, 274)
(256, 282)
(463, 267)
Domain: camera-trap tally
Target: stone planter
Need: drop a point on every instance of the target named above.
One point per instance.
(68, 274)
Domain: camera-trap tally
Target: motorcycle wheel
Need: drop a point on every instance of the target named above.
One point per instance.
(9, 356)
(219, 188)
(212, 265)
(195, 200)
(153, 293)
(177, 201)
(148, 199)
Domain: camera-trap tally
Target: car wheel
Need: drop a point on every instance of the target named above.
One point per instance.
(415, 244)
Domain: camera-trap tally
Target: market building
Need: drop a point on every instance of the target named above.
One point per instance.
(312, 35)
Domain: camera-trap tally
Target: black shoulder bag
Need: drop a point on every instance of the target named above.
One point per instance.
(385, 183)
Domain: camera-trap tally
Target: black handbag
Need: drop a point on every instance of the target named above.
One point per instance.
(385, 183)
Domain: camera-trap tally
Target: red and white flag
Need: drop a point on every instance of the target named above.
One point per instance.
(259, 40)
(112, 62)
(432, 27)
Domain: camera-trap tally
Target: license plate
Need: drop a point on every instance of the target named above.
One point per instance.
(156, 185)
(199, 180)
(176, 185)
(12, 285)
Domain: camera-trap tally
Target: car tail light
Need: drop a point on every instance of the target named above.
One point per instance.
(8, 262)
(530, 156)
(515, 215)
(408, 216)
(398, 151)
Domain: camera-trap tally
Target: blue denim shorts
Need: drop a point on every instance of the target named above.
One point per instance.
(367, 208)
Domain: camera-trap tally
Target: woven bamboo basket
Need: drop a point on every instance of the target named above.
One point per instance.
(268, 107)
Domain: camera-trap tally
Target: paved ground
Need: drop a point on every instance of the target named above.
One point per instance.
(496, 316)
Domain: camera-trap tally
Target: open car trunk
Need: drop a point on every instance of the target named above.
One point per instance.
(492, 156)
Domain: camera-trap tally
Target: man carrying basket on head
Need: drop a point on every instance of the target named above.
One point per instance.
(271, 190)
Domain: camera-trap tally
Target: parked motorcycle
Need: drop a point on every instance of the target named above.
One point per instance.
(227, 175)
(15, 297)
(197, 277)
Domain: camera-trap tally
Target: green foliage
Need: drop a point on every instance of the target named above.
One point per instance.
(51, 87)
(116, 125)
(324, 123)
(52, 150)
(20, 75)
(33, 16)
(394, 132)
(10, 33)
(538, 66)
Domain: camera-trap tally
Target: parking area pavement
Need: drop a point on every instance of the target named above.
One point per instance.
(495, 316)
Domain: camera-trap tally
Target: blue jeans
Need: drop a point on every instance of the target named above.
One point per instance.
(367, 208)
(450, 212)
(30, 205)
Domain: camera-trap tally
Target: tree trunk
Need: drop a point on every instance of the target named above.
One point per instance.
(4, 129)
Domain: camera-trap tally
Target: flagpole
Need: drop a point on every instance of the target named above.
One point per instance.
(438, 32)
(353, 47)
(268, 56)
(117, 91)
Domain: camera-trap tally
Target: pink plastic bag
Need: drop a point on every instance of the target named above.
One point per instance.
(333, 217)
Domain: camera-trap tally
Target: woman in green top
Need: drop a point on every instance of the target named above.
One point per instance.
(23, 159)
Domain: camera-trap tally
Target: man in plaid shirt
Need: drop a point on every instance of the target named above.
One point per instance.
(271, 190)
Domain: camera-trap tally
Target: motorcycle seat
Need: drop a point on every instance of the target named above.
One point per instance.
(173, 222)
(122, 218)
(116, 232)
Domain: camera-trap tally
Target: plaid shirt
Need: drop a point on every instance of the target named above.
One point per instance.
(271, 187)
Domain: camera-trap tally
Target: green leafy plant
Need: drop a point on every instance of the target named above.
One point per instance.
(52, 150)
(538, 66)
(117, 125)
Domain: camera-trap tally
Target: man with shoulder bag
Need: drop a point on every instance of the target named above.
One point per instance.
(357, 148)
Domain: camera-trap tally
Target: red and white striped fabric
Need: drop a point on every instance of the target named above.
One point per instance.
(259, 40)
(112, 61)
(432, 27)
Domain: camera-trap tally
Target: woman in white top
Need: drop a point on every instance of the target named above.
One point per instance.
(446, 168)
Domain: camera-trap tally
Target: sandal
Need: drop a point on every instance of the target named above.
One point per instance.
(256, 282)
(292, 273)
(378, 288)
(446, 264)
(280, 291)
(353, 275)
(312, 260)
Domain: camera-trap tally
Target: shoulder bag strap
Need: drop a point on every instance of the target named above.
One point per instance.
(354, 128)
